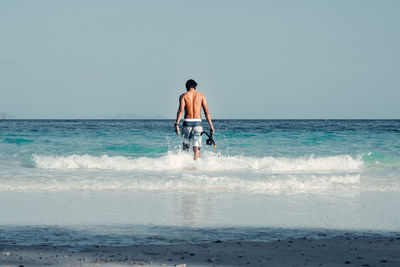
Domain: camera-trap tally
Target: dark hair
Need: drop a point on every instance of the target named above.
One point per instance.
(190, 84)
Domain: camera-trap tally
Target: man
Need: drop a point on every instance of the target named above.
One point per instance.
(191, 102)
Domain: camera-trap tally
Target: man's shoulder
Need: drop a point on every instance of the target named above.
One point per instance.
(200, 95)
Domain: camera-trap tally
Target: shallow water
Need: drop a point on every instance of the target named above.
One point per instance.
(119, 178)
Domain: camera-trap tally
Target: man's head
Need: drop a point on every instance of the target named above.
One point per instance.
(190, 84)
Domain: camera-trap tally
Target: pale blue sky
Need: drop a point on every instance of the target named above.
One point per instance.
(252, 59)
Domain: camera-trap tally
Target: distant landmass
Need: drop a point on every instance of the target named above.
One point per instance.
(118, 116)
(124, 116)
(5, 116)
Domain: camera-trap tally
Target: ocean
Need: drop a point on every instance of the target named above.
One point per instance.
(119, 182)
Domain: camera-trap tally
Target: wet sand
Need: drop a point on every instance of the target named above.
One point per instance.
(345, 250)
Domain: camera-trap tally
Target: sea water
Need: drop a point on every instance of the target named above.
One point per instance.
(128, 181)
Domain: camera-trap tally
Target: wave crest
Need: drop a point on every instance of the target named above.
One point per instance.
(209, 162)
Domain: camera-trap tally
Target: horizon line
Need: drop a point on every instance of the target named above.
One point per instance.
(127, 119)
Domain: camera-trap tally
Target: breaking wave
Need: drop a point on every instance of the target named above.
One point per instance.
(213, 172)
(209, 162)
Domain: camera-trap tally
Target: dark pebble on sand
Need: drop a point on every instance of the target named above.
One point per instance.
(347, 262)
(383, 261)
(192, 254)
(218, 241)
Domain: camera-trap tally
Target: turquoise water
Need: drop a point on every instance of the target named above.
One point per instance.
(271, 153)
(252, 137)
(276, 176)
(153, 138)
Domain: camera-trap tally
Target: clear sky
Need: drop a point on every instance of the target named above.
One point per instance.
(252, 59)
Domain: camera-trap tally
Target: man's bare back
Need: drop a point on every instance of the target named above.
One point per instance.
(191, 103)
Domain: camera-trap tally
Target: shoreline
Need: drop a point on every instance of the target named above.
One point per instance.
(346, 250)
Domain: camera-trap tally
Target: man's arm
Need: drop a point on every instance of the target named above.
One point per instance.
(207, 114)
(181, 108)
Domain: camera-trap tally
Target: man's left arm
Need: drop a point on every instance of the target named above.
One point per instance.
(181, 108)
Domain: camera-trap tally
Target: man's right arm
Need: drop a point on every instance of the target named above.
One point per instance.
(207, 114)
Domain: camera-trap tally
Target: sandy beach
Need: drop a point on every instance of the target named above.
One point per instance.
(344, 250)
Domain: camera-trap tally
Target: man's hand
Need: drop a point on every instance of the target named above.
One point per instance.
(177, 129)
(212, 131)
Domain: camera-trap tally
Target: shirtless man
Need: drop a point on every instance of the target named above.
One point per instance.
(191, 102)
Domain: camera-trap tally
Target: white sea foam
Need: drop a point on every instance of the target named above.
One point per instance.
(191, 182)
(178, 171)
(209, 162)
